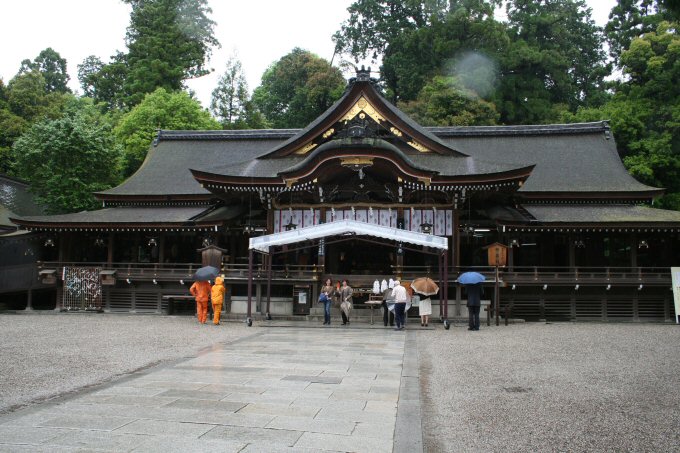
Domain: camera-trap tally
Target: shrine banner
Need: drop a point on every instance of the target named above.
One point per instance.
(675, 276)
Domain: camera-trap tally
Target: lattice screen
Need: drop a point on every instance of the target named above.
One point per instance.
(82, 288)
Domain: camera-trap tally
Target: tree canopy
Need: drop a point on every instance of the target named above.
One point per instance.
(53, 69)
(298, 88)
(230, 100)
(159, 110)
(69, 158)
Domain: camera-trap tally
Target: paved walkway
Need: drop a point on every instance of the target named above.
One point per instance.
(278, 390)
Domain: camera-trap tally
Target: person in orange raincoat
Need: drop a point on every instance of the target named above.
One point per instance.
(217, 297)
(201, 291)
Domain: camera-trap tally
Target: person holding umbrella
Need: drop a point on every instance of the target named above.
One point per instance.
(427, 287)
(201, 290)
(473, 287)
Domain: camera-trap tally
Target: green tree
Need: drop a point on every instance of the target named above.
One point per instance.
(445, 101)
(645, 111)
(53, 69)
(230, 98)
(630, 19)
(297, 88)
(168, 42)
(159, 110)
(374, 24)
(67, 159)
(104, 82)
(419, 39)
(27, 97)
(555, 61)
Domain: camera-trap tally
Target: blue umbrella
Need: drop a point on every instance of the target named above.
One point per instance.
(206, 273)
(471, 278)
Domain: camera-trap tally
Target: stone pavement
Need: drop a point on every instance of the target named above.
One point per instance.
(290, 389)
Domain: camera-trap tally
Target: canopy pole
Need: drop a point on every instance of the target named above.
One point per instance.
(269, 283)
(250, 285)
(446, 285)
(441, 286)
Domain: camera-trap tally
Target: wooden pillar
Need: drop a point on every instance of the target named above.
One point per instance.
(109, 251)
(456, 255)
(633, 249)
(400, 256)
(321, 258)
(161, 248)
(572, 252)
(62, 246)
(250, 282)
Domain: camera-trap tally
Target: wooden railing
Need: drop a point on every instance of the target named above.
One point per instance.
(534, 275)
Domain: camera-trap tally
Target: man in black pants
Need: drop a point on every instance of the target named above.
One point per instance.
(474, 296)
(387, 314)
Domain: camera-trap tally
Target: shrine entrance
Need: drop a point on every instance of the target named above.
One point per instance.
(327, 234)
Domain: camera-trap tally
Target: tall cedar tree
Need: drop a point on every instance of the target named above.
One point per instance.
(230, 99)
(168, 42)
(555, 62)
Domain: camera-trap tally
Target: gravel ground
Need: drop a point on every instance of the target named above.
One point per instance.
(551, 387)
(47, 355)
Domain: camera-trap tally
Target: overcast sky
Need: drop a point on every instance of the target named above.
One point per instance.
(260, 31)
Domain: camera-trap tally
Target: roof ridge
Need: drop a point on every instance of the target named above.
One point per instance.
(224, 134)
(524, 129)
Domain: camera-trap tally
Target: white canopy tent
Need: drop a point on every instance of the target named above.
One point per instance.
(263, 244)
(340, 227)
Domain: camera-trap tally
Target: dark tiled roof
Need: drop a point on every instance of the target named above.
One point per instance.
(249, 134)
(121, 215)
(16, 198)
(461, 166)
(571, 158)
(583, 160)
(166, 168)
(530, 129)
(585, 214)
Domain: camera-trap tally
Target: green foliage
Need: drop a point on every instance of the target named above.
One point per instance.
(104, 82)
(555, 61)
(28, 98)
(645, 111)
(67, 159)
(630, 19)
(230, 101)
(419, 39)
(159, 110)
(444, 101)
(53, 69)
(297, 88)
(168, 41)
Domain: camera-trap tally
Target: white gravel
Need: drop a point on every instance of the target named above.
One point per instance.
(47, 355)
(551, 387)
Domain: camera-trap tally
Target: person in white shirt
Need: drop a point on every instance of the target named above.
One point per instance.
(400, 296)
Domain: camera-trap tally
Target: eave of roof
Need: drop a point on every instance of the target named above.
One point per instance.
(124, 218)
(585, 216)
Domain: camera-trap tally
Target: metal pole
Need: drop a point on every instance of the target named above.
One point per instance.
(441, 287)
(496, 297)
(446, 285)
(269, 283)
(250, 282)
